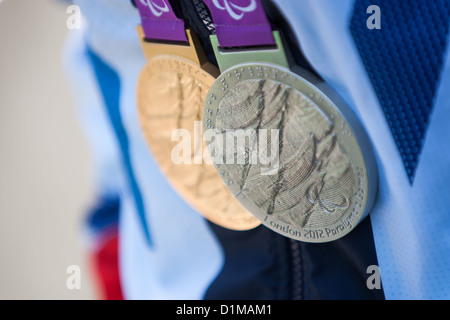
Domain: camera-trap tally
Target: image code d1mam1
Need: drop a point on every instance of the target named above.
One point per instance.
(225, 309)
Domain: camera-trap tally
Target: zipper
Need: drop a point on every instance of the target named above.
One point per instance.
(204, 15)
(296, 270)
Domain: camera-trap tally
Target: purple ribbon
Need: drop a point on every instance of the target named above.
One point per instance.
(240, 23)
(159, 22)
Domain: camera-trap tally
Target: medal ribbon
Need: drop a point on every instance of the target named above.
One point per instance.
(240, 23)
(159, 21)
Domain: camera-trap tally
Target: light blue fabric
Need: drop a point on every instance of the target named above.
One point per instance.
(106, 167)
(411, 224)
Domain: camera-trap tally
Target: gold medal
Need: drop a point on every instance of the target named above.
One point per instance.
(171, 91)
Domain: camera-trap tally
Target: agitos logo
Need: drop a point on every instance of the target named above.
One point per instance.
(235, 11)
(156, 9)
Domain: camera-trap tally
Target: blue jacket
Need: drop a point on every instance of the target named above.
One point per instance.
(406, 234)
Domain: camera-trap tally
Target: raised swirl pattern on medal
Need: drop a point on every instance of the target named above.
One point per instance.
(315, 182)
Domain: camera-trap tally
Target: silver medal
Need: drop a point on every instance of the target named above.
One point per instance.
(290, 150)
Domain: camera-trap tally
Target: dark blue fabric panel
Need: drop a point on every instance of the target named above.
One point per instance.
(261, 264)
(404, 60)
(257, 265)
(338, 269)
